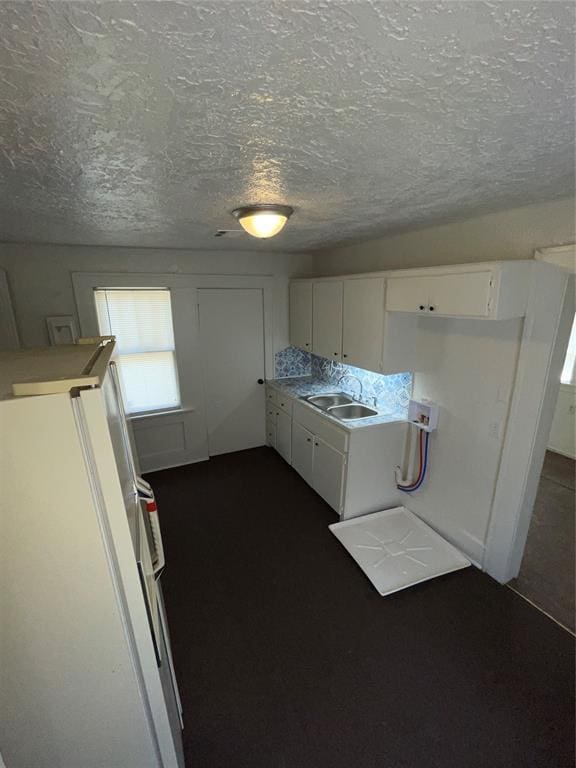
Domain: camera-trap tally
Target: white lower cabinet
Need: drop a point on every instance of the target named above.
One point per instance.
(302, 451)
(271, 433)
(319, 464)
(352, 470)
(284, 435)
(328, 466)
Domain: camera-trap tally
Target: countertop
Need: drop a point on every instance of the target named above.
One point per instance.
(303, 386)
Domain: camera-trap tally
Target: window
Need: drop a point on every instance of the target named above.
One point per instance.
(141, 321)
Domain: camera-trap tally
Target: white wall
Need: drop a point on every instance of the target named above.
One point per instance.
(40, 282)
(470, 374)
(468, 366)
(512, 234)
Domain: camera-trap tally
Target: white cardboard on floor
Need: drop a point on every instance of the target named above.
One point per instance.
(396, 549)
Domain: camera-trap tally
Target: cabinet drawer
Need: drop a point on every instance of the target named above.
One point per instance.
(317, 424)
(285, 403)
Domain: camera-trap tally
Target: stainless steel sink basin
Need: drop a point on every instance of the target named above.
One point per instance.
(352, 412)
(328, 401)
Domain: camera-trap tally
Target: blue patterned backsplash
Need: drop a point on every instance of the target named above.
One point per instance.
(391, 391)
(292, 361)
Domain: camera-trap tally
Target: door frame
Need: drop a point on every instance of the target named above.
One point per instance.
(547, 326)
(189, 421)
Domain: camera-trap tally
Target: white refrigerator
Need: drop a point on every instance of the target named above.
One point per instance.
(86, 673)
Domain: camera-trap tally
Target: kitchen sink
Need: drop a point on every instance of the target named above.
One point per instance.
(329, 401)
(351, 412)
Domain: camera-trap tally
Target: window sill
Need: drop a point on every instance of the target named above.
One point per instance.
(155, 414)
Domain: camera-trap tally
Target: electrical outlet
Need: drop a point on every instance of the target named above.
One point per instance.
(494, 429)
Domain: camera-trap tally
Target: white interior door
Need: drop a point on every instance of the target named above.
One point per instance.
(232, 341)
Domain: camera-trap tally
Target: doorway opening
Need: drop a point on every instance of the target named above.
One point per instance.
(547, 573)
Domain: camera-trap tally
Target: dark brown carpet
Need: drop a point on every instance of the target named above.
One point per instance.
(548, 574)
(288, 658)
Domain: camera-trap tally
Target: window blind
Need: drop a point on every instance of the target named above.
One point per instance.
(141, 321)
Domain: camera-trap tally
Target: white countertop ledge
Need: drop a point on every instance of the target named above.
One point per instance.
(304, 386)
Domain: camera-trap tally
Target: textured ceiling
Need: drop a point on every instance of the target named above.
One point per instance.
(145, 123)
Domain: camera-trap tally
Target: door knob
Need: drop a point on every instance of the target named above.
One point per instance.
(260, 381)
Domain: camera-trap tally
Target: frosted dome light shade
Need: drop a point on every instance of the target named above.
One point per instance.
(263, 222)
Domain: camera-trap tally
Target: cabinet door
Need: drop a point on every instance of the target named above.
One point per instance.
(407, 294)
(284, 435)
(302, 447)
(327, 320)
(363, 324)
(465, 295)
(271, 432)
(328, 473)
(301, 315)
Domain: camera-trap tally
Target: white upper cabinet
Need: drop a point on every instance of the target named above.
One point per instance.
(363, 326)
(327, 320)
(301, 315)
(407, 294)
(496, 291)
(465, 294)
(364, 321)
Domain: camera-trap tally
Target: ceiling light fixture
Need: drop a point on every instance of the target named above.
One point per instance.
(263, 220)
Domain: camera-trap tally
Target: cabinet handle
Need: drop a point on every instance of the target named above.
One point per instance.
(306, 345)
(316, 444)
(422, 306)
(308, 440)
(336, 353)
(344, 355)
(431, 309)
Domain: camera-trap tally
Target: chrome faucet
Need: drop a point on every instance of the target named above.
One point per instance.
(358, 398)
